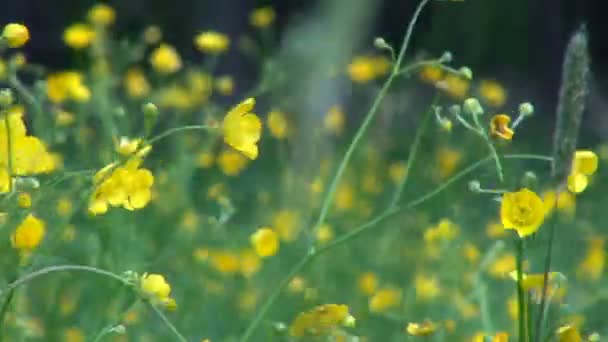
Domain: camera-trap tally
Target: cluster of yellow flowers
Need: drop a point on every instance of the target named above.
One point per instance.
(155, 288)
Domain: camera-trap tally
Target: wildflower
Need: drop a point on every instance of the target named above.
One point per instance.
(128, 186)
(277, 124)
(427, 288)
(501, 336)
(102, 15)
(397, 171)
(368, 283)
(592, 266)
(363, 69)
(493, 93)
(425, 328)
(431, 73)
(242, 129)
(15, 35)
(153, 35)
(262, 17)
(448, 159)
(67, 85)
(445, 230)
(384, 299)
(285, 222)
(212, 42)
(321, 320)
(205, 160)
(566, 202)
(126, 146)
(231, 163)
(502, 266)
(78, 36)
(225, 85)
(325, 233)
(471, 253)
(165, 59)
(28, 234)
(155, 288)
(64, 118)
(334, 120)
(64, 206)
(534, 283)
(568, 333)
(345, 197)
(73, 335)
(499, 127)
(265, 241)
(584, 164)
(495, 230)
(225, 262)
(523, 211)
(455, 86)
(135, 83)
(249, 262)
(24, 200)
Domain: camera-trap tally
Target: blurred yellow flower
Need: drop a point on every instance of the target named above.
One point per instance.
(78, 36)
(24, 200)
(135, 83)
(334, 120)
(321, 320)
(153, 35)
(363, 69)
(502, 266)
(15, 35)
(127, 146)
(249, 262)
(101, 14)
(501, 336)
(455, 86)
(262, 17)
(73, 334)
(277, 124)
(445, 230)
(165, 59)
(592, 266)
(231, 163)
(64, 206)
(242, 129)
(67, 85)
(427, 287)
(566, 202)
(368, 283)
(64, 118)
(28, 234)
(155, 288)
(212, 42)
(425, 328)
(324, 233)
(225, 85)
(584, 164)
(205, 160)
(431, 73)
(345, 197)
(286, 223)
(499, 127)
(448, 159)
(385, 299)
(265, 242)
(397, 171)
(225, 262)
(568, 333)
(495, 230)
(471, 252)
(493, 93)
(523, 211)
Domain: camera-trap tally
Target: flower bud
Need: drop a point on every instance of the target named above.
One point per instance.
(475, 186)
(466, 72)
(454, 110)
(6, 97)
(526, 109)
(16, 35)
(446, 57)
(381, 44)
(472, 106)
(529, 180)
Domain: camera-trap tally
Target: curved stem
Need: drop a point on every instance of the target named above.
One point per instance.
(172, 131)
(168, 323)
(408, 36)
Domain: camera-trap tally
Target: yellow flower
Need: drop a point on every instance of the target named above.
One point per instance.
(523, 211)
(592, 266)
(24, 200)
(501, 337)
(471, 253)
(212, 42)
(427, 288)
(345, 197)
(277, 124)
(495, 230)
(262, 17)
(431, 74)
(566, 202)
(73, 335)
(250, 263)
(285, 222)
(101, 14)
(64, 118)
(493, 93)
(155, 288)
(225, 85)
(28, 234)
(128, 186)
(135, 83)
(321, 320)
(15, 35)
(165, 59)
(231, 163)
(325, 233)
(368, 283)
(67, 85)
(455, 86)
(78, 36)
(397, 171)
(363, 69)
(242, 129)
(384, 299)
(448, 159)
(64, 207)
(153, 35)
(584, 164)
(265, 241)
(499, 127)
(225, 262)
(502, 266)
(568, 333)
(425, 328)
(334, 120)
(126, 146)
(205, 160)
(445, 230)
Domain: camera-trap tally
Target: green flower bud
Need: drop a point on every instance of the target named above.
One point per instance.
(472, 106)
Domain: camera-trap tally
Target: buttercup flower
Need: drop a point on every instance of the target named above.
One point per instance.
(499, 127)
(101, 14)
(135, 83)
(493, 93)
(165, 59)
(126, 146)
(15, 35)
(262, 17)
(28, 234)
(523, 211)
(584, 164)
(67, 85)
(156, 289)
(367, 68)
(277, 124)
(231, 162)
(265, 241)
(425, 328)
(334, 120)
(568, 333)
(431, 74)
(225, 85)
(384, 300)
(78, 36)
(212, 42)
(321, 320)
(242, 129)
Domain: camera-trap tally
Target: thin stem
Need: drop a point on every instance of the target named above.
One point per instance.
(168, 323)
(414, 151)
(175, 130)
(24, 93)
(521, 299)
(481, 131)
(408, 36)
(9, 144)
(111, 328)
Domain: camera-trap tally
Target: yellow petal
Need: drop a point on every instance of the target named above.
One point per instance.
(577, 183)
(585, 162)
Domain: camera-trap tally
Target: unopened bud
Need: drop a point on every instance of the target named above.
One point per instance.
(381, 44)
(526, 109)
(472, 106)
(466, 72)
(6, 97)
(150, 110)
(446, 57)
(475, 186)
(455, 110)
(529, 180)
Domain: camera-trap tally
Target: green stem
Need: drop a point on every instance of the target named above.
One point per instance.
(9, 144)
(168, 323)
(484, 135)
(24, 93)
(414, 152)
(521, 299)
(111, 328)
(175, 130)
